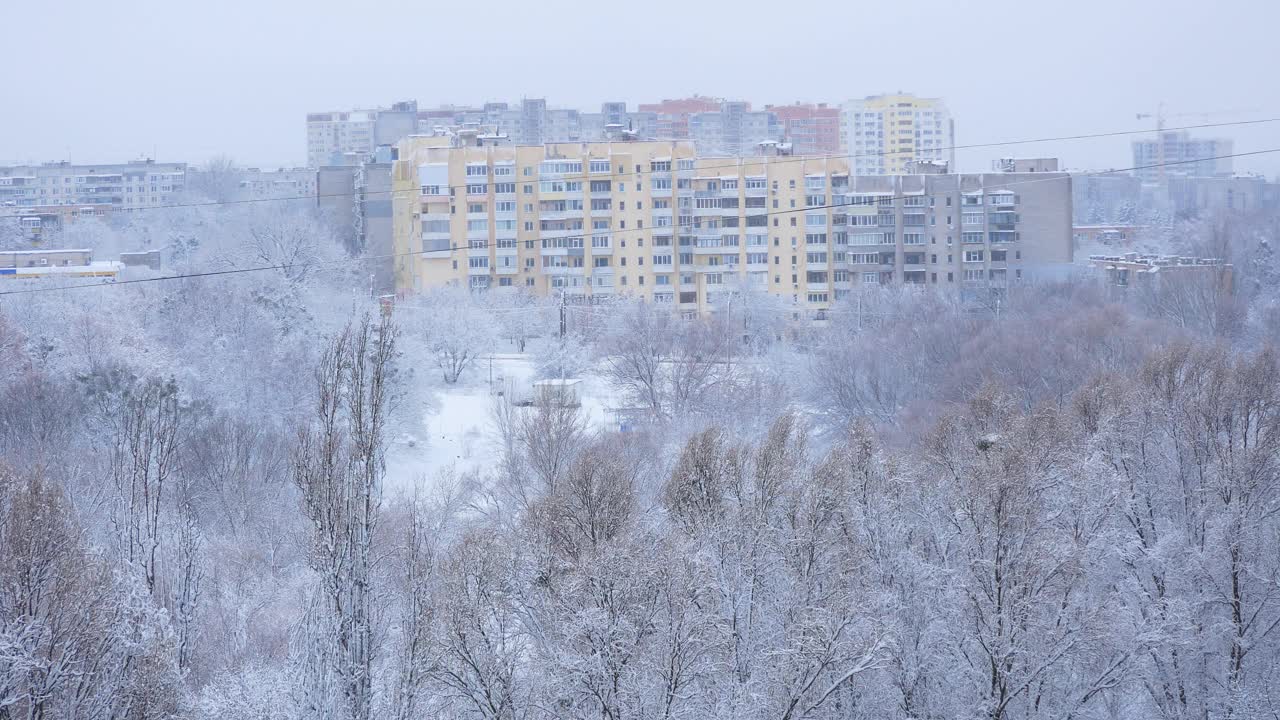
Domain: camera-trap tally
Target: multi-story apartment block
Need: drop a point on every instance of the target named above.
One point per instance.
(135, 184)
(734, 129)
(671, 117)
(811, 129)
(883, 133)
(1177, 154)
(331, 135)
(656, 221)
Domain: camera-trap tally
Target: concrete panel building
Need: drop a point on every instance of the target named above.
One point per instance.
(655, 220)
(135, 184)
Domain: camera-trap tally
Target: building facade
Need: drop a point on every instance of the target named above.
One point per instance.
(330, 135)
(135, 184)
(46, 264)
(883, 133)
(655, 220)
(1177, 154)
(811, 129)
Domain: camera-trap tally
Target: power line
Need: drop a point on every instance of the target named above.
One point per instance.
(771, 161)
(675, 230)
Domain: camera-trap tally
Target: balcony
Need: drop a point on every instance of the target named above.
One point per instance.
(566, 214)
(663, 268)
(819, 266)
(478, 270)
(818, 286)
(756, 192)
(751, 211)
(657, 192)
(507, 270)
(477, 252)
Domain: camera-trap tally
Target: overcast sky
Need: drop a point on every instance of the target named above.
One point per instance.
(94, 81)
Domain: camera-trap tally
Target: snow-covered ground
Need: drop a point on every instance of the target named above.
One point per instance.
(457, 431)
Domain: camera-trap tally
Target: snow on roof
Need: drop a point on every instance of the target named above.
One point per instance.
(557, 382)
(93, 267)
(42, 252)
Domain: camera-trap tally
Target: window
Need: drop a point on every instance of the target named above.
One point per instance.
(600, 262)
(476, 208)
(504, 171)
(505, 207)
(477, 171)
(871, 278)
(816, 258)
(912, 239)
(481, 225)
(505, 188)
(757, 183)
(478, 262)
(973, 256)
(599, 166)
(971, 238)
(999, 255)
(815, 239)
(817, 297)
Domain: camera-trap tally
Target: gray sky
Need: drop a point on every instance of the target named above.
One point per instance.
(186, 81)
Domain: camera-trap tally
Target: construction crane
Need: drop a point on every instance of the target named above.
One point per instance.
(1161, 116)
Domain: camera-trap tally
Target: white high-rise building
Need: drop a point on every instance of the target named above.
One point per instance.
(885, 134)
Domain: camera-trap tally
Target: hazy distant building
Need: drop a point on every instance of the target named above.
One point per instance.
(135, 184)
(671, 117)
(330, 135)
(397, 122)
(811, 129)
(882, 133)
(732, 129)
(1177, 154)
(1197, 196)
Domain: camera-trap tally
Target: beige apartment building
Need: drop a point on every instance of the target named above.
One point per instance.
(653, 220)
(883, 134)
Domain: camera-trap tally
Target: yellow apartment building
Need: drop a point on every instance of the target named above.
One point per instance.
(650, 219)
(883, 133)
